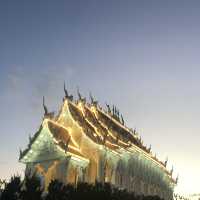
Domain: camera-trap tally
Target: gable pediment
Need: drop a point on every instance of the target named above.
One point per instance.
(44, 148)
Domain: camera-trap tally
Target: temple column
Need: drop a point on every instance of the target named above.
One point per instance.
(61, 170)
(113, 178)
(30, 169)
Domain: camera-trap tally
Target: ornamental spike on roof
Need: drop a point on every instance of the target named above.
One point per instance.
(66, 92)
(45, 107)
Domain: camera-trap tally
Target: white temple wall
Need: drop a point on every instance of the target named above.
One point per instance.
(61, 170)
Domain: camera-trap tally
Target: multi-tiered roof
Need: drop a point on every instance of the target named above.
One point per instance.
(103, 127)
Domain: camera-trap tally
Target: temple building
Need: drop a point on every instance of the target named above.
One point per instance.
(86, 143)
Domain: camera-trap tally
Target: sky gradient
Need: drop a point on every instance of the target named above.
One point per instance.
(142, 56)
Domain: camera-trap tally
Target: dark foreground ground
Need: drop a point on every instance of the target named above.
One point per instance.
(30, 189)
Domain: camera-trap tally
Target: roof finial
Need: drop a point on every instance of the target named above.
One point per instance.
(113, 110)
(122, 119)
(20, 153)
(83, 100)
(149, 149)
(166, 162)
(171, 172)
(91, 98)
(65, 90)
(177, 178)
(79, 95)
(67, 96)
(45, 108)
(93, 101)
(108, 108)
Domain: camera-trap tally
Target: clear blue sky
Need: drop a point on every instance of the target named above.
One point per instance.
(142, 56)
